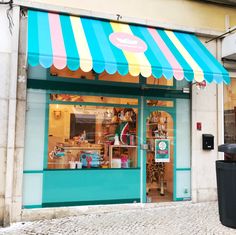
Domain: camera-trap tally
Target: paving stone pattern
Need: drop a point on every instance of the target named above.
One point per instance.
(168, 218)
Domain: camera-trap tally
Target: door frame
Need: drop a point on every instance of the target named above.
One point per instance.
(145, 112)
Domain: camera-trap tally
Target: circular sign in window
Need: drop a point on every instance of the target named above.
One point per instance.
(128, 42)
(162, 145)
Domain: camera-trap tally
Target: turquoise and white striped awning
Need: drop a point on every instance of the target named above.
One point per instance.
(86, 44)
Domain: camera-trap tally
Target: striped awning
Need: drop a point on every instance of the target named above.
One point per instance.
(91, 44)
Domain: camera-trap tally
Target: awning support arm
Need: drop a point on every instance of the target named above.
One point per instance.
(220, 36)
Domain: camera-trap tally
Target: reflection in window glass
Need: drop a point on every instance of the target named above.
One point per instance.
(79, 74)
(230, 112)
(180, 84)
(66, 73)
(92, 137)
(118, 78)
(96, 99)
(160, 103)
(159, 81)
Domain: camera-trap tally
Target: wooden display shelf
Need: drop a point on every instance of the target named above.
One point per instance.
(82, 148)
(152, 124)
(123, 146)
(73, 152)
(132, 154)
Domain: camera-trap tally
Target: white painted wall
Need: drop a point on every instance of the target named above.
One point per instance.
(8, 100)
(5, 54)
(204, 110)
(5, 42)
(207, 108)
(187, 13)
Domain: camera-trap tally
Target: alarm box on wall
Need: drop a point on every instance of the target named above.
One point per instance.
(207, 142)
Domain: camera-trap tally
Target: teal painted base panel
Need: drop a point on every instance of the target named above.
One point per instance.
(32, 172)
(183, 199)
(32, 206)
(94, 169)
(85, 203)
(90, 186)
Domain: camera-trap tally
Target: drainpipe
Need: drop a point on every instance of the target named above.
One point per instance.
(12, 101)
(219, 104)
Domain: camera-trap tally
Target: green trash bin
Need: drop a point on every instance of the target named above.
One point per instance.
(226, 185)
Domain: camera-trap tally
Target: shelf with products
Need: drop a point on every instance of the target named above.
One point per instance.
(116, 119)
(123, 156)
(157, 124)
(120, 145)
(152, 124)
(110, 123)
(76, 156)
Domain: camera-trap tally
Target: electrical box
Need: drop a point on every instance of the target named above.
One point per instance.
(207, 142)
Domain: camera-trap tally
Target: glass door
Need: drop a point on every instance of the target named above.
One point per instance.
(159, 131)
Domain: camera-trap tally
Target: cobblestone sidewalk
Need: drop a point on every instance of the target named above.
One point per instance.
(161, 219)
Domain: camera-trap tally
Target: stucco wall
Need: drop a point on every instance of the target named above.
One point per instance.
(204, 110)
(8, 91)
(188, 13)
(207, 108)
(5, 54)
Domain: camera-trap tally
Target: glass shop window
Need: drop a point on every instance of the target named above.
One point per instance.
(42, 74)
(230, 112)
(92, 136)
(118, 78)
(96, 99)
(159, 81)
(160, 103)
(66, 73)
(79, 74)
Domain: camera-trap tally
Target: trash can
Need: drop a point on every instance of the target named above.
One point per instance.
(226, 185)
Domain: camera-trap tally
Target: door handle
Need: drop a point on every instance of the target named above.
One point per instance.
(144, 146)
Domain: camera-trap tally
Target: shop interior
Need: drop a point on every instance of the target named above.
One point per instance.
(89, 136)
(159, 175)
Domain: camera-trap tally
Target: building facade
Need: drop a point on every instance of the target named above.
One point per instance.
(84, 136)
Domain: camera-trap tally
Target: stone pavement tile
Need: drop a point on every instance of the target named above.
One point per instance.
(166, 219)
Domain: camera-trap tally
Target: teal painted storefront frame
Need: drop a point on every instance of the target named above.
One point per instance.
(63, 202)
(106, 87)
(172, 111)
(32, 206)
(90, 203)
(45, 161)
(163, 92)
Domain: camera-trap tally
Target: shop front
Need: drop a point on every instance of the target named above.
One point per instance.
(108, 111)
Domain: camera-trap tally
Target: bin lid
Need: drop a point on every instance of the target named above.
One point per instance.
(227, 148)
